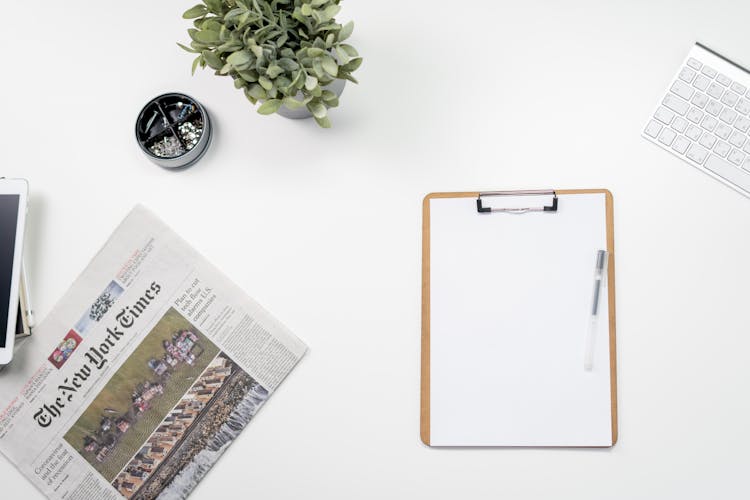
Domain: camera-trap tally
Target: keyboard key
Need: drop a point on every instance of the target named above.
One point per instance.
(722, 148)
(701, 83)
(664, 115)
(676, 104)
(692, 132)
(709, 71)
(697, 153)
(723, 79)
(687, 75)
(694, 63)
(730, 98)
(742, 124)
(667, 136)
(707, 140)
(728, 115)
(713, 107)
(683, 90)
(680, 144)
(739, 88)
(695, 115)
(679, 124)
(709, 123)
(736, 157)
(746, 149)
(652, 129)
(715, 90)
(737, 139)
(746, 166)
(700, 100)
(723, 130)
(729, 172)
(743, 106)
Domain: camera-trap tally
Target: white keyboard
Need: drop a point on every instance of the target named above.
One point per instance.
(704, 118)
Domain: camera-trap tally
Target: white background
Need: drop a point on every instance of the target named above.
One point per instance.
(323, 226)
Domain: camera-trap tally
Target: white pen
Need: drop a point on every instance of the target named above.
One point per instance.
(600, 272)
(27, 297)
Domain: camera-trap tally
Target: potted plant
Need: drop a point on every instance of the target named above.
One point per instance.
(289, 55)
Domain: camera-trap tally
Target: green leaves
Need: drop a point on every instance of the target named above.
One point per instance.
(330, 11)
(213, 60)
(317, 109)
(195, 12)
(274, 70)
(207, 37)
(239, 58)
(346, 31)
(351, 51)
(352, 65)
(288, 64)
(215, 6)
(292, 103)
(198, 60)
(324, 122)
(330, 99)
(265, 82)
(255, 91)
(249, 75)
(317, 67)
(299, 80)
(230, 46)
(234, 14)
(254, 48)
(278, 52)
(187, 49)
(269, 107)
(329, 65)
(311, 82)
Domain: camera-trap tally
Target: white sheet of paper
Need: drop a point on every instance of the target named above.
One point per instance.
(510, 303)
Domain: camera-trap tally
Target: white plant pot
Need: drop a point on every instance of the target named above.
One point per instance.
(336, 86)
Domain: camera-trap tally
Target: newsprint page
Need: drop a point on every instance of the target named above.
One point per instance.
(142, 375)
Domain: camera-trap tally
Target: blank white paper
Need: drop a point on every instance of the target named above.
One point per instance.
(510, 302)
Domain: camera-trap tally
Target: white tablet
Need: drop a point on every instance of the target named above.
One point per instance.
(13, 197)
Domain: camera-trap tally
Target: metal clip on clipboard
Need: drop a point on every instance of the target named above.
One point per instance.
(521, 210)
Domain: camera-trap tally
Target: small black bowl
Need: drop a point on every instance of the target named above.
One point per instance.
(173, 130)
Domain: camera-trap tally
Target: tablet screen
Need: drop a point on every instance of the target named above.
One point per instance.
(8, 224)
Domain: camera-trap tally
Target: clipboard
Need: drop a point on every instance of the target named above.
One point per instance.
(487, 405)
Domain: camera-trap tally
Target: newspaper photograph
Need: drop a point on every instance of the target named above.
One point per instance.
(142, 375)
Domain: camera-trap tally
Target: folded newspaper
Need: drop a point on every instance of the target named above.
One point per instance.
(142, 375)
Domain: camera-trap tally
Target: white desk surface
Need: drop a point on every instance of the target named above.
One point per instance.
(323, 226)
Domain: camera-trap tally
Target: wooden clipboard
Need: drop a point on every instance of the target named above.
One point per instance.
(425, 344)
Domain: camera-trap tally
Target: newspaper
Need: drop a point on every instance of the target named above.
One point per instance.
(143, 373)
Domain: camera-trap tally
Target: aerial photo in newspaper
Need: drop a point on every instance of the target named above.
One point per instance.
(167, 413)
